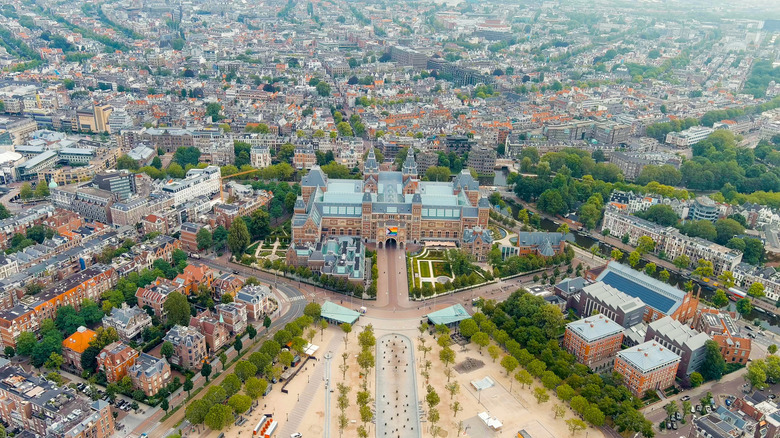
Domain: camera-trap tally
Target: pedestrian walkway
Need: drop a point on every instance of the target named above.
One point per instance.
(295, 417)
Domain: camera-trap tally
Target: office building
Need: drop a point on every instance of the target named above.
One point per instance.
(647, 367)
(593, 340)
(682, 340)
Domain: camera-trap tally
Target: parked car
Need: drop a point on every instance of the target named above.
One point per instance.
(685, 398)
(669, 425)
(678, 416)
(674, 425)
(693, 410)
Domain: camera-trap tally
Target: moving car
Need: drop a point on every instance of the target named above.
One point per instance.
(296, 435)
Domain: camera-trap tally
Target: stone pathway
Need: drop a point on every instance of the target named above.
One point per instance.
(302, 406)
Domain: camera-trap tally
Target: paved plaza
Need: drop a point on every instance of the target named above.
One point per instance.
(397, 404)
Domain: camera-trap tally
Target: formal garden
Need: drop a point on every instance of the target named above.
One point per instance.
(433, 272)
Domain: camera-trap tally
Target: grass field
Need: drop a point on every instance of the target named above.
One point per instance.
(425, 270)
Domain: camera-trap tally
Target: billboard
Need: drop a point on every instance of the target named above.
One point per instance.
(392, 231)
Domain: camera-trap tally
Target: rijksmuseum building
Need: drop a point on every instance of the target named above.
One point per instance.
(391, 208)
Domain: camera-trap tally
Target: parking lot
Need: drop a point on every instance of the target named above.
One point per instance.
(127, 418)
(723, 393)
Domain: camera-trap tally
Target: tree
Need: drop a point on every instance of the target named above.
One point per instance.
(245, 369)
(447, 356)
(509, 363)
(177, 309)
(713, 366)
(54, 362)
(650, 268)
(267, 322)
(481, 339)
(219, 417)
(682, 261)
(617, 255)
(240, 403)
(431, 397)
(197, 410)
(251, 331)
(633, 258)
(238, 237)
(255, 387)
(468, 327)
(559, 410)
(205, 371)
(575, 425)
(165, 405)
(704, 269)
(204, 239)
(494, 352)
(26, 191)
(696, 379)
(744, 306)
(756, 374)
(313, 310)
(565, 392)
(323, 89)
(231, 384)
(772, 349)
(42, 190)
(756, 290)
(645, 244)
(347, 329)
(541, 395)
(524, 378)
(238, 345)
(167, 350)
(720, 299)
(188, 385)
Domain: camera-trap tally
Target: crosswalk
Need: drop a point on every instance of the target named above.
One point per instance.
(286, 299)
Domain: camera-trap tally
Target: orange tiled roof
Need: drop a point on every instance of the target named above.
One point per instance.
(79, 341)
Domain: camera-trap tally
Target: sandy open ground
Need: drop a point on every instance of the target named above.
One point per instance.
(303, 409)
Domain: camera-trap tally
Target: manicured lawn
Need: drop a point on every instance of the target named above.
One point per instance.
(425, 270)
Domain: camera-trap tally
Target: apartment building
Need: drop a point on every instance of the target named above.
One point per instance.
(482, 160)
(89, 283)
(188, 237)
(672, 242)
(682, 340)
(150, 374)
(734, 347)
(116, 359)
(73, 346)
(189, 346)
(688, 137)
(155, 294)
(210, 325)
(227, 283)
(594, 340)
(257, 299)
(260, 157)
(197, 182)
(129, 322)
(304, 158)
(647, 367)
(233, 316)
(41, 408)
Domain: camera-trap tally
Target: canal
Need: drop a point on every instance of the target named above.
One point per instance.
(585, 241)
